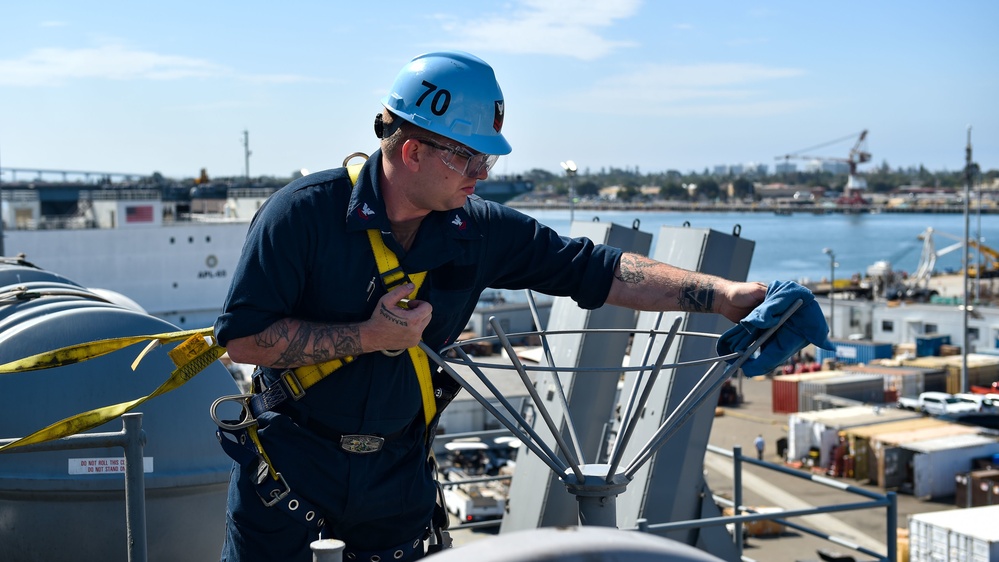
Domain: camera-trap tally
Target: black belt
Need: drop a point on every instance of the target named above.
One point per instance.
(411, 550)
(349, 442)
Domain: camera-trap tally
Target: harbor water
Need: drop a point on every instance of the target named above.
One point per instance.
(789, 247)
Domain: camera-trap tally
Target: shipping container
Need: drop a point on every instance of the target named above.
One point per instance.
(982, 369)
(868, 389)
(784, 389)
(981, 484)
(936, 461)
(850, 351)
(865, 466)
(892, 459)
(910, 382)
(820, 429)
(959, 534)
(929, 344)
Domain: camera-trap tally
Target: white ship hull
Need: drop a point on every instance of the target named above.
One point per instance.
(177, 272)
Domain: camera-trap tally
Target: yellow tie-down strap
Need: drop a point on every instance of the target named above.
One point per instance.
(191, 357)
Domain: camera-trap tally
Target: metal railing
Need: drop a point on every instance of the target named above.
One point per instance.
(596, 485)
(877, 501)
(887, 501)
(132, 439)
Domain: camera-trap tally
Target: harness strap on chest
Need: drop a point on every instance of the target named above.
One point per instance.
(297, 381)
(392, 276)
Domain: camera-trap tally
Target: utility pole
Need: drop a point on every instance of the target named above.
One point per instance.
(570, 170)
(832, 289)
(968, 174)
(247, 152)
(1, 212)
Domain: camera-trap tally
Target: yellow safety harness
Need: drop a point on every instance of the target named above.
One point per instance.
(300, 379)
(239, 439)
(392, 275)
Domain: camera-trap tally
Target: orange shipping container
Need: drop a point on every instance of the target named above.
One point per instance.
(784, 389)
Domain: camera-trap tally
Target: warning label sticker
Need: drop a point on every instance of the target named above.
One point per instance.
(114, 465)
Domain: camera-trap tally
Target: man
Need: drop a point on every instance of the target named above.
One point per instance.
(759, 444)
(312, 286)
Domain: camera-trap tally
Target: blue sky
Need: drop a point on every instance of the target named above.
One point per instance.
(140, 87)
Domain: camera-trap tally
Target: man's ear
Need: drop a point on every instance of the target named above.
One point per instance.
(413, 154)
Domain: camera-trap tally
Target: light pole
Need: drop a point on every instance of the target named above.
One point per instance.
(247, 152)
(570, 170)
(832, 279)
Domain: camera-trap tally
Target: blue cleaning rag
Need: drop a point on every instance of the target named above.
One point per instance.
(806, 325)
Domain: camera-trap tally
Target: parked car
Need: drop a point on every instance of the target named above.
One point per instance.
(936, 403)
(988, 403)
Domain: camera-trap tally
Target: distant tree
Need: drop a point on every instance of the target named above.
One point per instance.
(628, 192)
(673, 191)
(587, 189)
(925, 177)
(880, 186)
(708, 189)
(539, 176)
(742, 188)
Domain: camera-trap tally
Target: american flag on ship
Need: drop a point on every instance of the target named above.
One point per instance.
(139, 213)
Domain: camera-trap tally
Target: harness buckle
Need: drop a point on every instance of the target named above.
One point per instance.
(276, 493)
(394, 277)
(293, 385)
(361, 444)
(246, 419)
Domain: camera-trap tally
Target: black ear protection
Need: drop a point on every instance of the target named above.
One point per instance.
(384, 131)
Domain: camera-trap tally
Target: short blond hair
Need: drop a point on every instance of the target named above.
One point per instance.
(402, 131)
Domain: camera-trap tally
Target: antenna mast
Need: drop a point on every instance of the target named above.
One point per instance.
(247, 152)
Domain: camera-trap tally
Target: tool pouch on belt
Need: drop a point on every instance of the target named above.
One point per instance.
(440, 539)
(445, 389)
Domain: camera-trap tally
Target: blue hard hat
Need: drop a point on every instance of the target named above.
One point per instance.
(452, 94)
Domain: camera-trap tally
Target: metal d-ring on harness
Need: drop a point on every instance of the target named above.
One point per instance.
(239, 438)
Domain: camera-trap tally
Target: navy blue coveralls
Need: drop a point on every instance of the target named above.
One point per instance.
(307, 256)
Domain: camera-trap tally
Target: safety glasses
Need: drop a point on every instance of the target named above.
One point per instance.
(465, 162)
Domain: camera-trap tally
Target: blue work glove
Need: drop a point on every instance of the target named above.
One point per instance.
(807, 325)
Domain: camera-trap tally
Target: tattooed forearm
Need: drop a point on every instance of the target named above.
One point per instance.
(696, 296)
(631, 269)
(338, 341)
(311, 343)
(271, 336)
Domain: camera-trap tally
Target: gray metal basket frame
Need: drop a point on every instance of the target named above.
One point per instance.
(596, 485)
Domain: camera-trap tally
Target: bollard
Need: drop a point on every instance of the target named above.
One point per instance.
(327, 550)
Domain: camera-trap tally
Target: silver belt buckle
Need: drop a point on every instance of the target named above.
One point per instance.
(361, 444)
